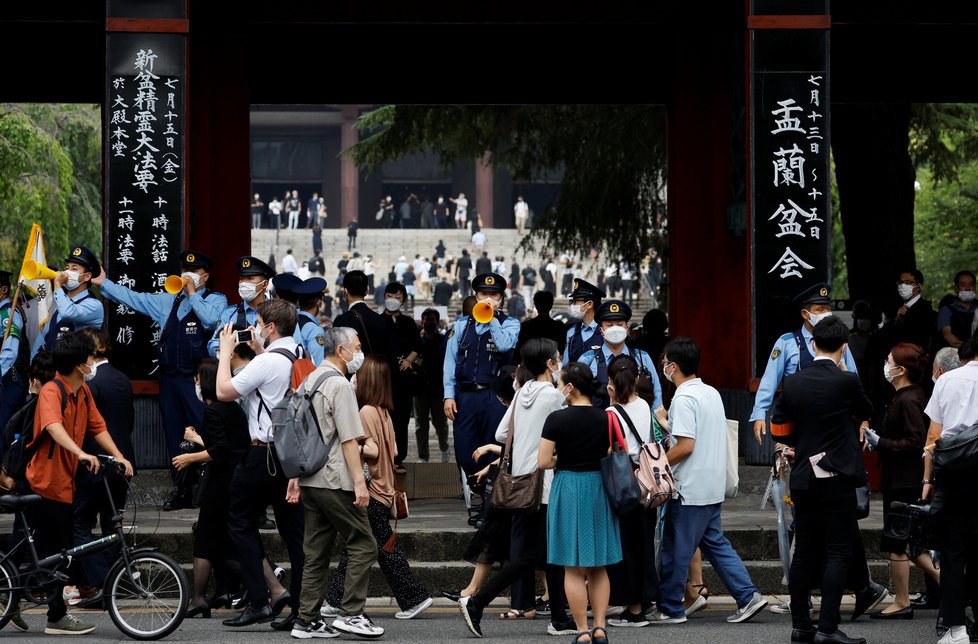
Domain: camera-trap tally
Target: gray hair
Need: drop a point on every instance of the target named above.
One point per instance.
(336, 337)
(947, 359)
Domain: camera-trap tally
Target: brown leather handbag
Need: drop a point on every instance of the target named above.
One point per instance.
(521, 492)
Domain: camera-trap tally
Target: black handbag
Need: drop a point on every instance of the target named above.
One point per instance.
(862, 501)
(958, 453)
(617, 473)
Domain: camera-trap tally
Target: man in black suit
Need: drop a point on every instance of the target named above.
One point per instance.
(112, 395)
(443, 292)
(822, 403)
(916, 319)
(373, 331)
(541, 326)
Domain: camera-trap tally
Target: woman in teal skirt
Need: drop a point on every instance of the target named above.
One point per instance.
(582, 530)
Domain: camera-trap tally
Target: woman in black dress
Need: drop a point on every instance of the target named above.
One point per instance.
(224, 437)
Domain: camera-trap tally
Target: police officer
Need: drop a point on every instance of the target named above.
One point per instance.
(14, 357)
(186, 319)
(585, 299)
(612, 317)
(794, 351)
(254, 277)
(475, 354)
(308, 333)
(75, 307)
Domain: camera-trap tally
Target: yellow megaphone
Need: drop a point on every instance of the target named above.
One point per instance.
(33, 270)
(174, 284)
(483, 312)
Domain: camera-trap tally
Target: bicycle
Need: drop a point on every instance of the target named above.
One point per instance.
(145, 592)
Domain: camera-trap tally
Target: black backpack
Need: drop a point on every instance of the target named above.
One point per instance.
(19, 443)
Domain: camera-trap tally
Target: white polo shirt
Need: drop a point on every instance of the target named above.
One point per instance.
(697, 412)
(954, 403)
(271, 375)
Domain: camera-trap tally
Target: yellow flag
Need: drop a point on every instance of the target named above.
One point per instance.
(36, 294)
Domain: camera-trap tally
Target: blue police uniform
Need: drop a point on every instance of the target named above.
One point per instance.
(476, 352)
(185, 323)
(240, 314)
(580, 340)
(72, 313)
(14, 363)
(310, 336)
(791, 352)
(597, 361)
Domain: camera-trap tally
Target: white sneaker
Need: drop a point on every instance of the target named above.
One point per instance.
(303, 630)
(781, 608)
(359, 625)
(755, 605)
(414, 611)
(329, 611)
(696, 606)
(561, 629)
(955, 635)
(655, 617)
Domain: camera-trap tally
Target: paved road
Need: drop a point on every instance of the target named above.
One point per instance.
(442, 623)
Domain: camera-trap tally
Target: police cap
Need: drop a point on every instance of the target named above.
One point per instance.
(586, 291)
(248, 266)
(5, 278)
(613, 310)
(84, 256)
(489, 283)
(194, 260)
(820, 293)
(314, 286)
(285, 284)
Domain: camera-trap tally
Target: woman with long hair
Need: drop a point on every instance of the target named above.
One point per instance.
(373, 385)
(224, 437)
(582, 531)
(900, 442)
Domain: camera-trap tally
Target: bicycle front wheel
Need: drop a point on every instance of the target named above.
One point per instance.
(9, 597)
(147, 600)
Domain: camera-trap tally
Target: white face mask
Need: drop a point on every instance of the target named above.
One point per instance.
(615, 334)
(192, 277)
(966, 296)
(516, 386)
(392, 304)
(90, 374)
(74, 280)
(668, 375)
(905, 291)
(933, 378)
(200, 396)
(262, 339)
(815, 318)
(886, 372)
(575, 312)
(355, 363)
(248, 291)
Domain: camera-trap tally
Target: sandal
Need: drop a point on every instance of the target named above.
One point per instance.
(516, 614)
(599, 640)
(578, 640)
(703, 590)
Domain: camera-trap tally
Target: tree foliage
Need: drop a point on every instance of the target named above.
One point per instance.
(943, 137)
(613, 159)
(50, 173)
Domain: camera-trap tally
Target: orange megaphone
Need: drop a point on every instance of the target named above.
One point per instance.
(33, 270)
(483, 312)
(174, 284)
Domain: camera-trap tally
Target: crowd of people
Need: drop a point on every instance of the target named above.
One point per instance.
(547, 391)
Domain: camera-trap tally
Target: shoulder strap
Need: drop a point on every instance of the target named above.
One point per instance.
(288, 354)
(36, 440)
(311, 391)
(628, 421)
(505, 464)
(366, 334)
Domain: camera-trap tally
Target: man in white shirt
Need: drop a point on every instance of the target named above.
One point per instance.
(521, 211)
(289, 265)
(258, 480)
(698, 429)
(952, 409)
(461, 210)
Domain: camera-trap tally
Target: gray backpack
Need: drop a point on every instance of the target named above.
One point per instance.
(295, 430)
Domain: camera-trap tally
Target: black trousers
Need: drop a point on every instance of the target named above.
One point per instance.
(528, 551)
(825, 522)
(634, 579)
(258, 482)
(92, 504)
(52, 525)
(959, 555)
(401, 415)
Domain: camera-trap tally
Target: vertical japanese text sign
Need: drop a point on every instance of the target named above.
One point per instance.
(790, 196)
(144, 174)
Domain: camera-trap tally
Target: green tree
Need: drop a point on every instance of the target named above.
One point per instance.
(613, 158)
(50, 173)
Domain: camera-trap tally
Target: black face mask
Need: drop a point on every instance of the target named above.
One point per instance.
(430, 328)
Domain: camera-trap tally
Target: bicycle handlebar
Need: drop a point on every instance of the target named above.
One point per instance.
(112, 464)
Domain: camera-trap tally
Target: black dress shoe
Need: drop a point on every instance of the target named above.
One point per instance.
(220, 601)
(202, 609)
(178, 501)
(265, 523)
(284, 624)
(280, 603)
(454, 595)
(251, 615)
(903, 613)
(803, 635)
(868, 599)
(926, 602)
(837, 637)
